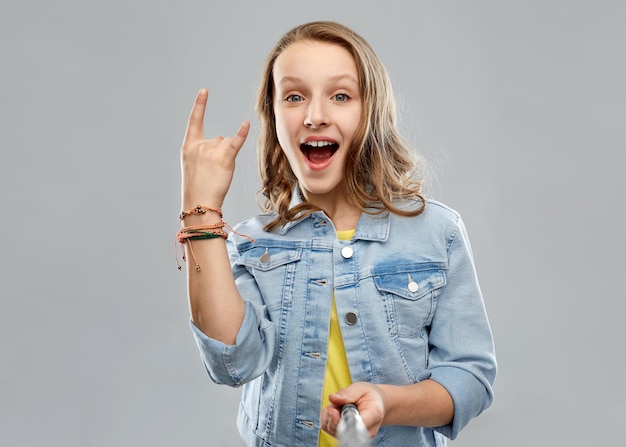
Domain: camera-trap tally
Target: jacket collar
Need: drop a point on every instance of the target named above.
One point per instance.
(371, 227)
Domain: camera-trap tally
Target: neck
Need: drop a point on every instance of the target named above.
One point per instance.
(346, 221)
(343, 215)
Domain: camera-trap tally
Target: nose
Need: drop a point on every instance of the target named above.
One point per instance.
(316, 114)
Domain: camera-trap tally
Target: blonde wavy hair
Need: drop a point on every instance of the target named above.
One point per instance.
(379, 168)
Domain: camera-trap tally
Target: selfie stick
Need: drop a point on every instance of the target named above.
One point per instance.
(351, 430)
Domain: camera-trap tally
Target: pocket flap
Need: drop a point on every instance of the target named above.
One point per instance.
(268, 258)
(410, 281)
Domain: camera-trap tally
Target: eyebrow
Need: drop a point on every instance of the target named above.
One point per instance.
(336, 78)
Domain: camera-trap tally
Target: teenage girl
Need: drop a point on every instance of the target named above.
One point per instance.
(351, 287)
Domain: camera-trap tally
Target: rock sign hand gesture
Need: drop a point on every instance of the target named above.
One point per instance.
(207, 165)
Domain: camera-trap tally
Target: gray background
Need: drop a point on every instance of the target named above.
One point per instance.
(518, 107)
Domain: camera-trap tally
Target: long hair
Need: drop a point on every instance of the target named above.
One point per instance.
(379, 167)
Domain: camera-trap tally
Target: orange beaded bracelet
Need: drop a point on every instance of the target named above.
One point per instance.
(199, 210)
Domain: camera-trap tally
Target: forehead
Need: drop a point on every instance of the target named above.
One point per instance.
(314, 60)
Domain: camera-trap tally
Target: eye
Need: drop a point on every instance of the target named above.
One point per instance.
(294, 98)
(341, 97)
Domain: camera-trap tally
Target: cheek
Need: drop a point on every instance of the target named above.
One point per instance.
(352, 122)
(281, 131)
(292, 160)
(282, 124)
(287, 130)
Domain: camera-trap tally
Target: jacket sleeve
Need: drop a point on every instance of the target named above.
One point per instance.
(254, 346)
(462, 353)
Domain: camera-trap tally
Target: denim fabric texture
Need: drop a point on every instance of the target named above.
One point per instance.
(410, 309)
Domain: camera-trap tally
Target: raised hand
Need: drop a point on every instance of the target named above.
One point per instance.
(207, 165)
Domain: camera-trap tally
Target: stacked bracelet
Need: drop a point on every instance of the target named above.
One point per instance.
(201, 232)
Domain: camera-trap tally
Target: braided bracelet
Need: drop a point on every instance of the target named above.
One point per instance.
(200, 232)
(206, 235)
(199, 210)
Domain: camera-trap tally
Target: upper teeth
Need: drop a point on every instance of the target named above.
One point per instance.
(318, 143)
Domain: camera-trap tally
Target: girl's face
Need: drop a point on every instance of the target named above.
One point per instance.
(317, 106)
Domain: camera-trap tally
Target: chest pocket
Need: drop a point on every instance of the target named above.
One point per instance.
(410, 292)
(274, 270)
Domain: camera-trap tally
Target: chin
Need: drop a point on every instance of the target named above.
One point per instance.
(321, 190)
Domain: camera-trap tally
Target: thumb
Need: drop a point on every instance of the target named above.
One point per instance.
(341, 398)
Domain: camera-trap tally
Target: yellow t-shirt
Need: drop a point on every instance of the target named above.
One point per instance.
(337, 370)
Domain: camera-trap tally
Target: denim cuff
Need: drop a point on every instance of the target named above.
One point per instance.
(468, 393)
(242, 362)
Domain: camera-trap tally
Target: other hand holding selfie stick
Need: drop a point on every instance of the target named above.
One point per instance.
(351, 430)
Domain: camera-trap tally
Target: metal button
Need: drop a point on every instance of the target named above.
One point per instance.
(347, 252)
(351, 318)
(413, 286)
(265, 257)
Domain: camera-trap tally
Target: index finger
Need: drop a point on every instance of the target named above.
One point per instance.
(195, 126)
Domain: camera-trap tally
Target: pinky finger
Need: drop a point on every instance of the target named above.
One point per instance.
(241, 136)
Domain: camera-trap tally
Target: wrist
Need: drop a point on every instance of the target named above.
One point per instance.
(386, 393)
(191, 197)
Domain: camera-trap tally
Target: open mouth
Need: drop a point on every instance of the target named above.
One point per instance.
(319, 151)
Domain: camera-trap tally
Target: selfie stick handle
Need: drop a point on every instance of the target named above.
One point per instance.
(351, 430)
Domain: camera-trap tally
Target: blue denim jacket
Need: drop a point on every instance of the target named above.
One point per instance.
(409, 305)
